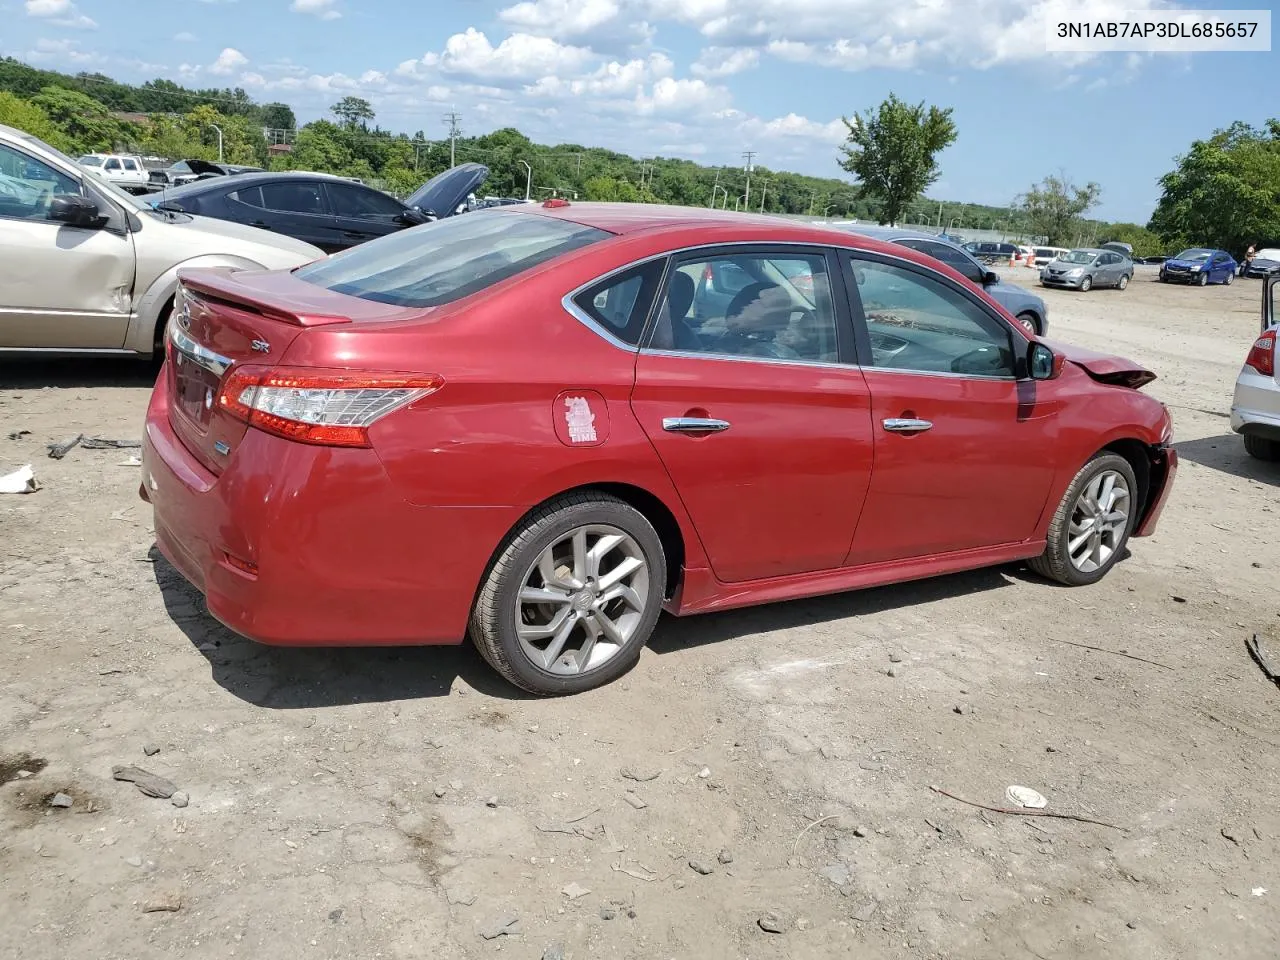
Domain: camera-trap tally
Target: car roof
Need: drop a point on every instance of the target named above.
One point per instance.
(632, 218)
(242, 180)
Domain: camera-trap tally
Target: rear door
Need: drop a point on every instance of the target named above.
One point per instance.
(756, 410)
(964, 452)
(362, 213)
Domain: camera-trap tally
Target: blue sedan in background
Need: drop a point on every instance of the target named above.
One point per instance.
(1199, 265)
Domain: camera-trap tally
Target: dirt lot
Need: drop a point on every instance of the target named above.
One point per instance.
(404, 804)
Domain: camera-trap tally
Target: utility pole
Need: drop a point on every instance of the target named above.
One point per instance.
(528, 182)
(748, 156)
(813, 198)
(453, 118)
(715, 186)
(763, 193)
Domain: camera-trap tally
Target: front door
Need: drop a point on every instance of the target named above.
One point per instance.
(964, 452)
(765, 433)
(63, 287)
(296, 208)
(362, 213)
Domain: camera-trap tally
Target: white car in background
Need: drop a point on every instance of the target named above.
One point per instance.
(124, 171)
(1255, 411)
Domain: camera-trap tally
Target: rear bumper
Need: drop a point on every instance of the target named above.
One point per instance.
(1255, 409)
(338, 557)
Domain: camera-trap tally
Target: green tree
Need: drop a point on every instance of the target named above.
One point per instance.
(1225, 191)
(278, 116)
(26, 116)
(892, 151)
(86, 123)
(1052, 208)
(353, 112)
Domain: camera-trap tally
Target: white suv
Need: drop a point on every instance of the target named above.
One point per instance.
(1255, 411)
(123, 171)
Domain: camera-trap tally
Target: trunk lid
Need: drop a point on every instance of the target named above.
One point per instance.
(222, 319)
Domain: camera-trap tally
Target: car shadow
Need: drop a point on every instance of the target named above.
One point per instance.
(1227, 453)
(78, 372)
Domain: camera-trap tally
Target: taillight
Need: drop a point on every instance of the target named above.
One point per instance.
(316, 405)
(1262, 356)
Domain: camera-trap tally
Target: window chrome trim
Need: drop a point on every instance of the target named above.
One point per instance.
(742, 358)
(589, 322)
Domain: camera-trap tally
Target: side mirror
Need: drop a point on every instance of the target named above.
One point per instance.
(1043, 363)
(413, 217)
(74, 210)
(989, 277)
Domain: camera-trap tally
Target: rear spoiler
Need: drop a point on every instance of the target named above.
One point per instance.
(219, 285)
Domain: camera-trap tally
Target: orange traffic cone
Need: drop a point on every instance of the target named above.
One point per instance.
(1013, 258)
(1031, 260)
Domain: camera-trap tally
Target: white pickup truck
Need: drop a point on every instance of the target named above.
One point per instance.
(126, 172)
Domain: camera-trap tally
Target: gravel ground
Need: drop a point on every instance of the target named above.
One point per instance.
(758, 787)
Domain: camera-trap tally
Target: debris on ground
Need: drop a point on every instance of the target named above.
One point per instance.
(725, 857)
(1266, 658)
(150, 749)
(180, 799)
(634, 800)
(554, 952)
(131, 462)
(491, 803)
(641, 774)
(106, 443)
(165, 903)
(1026, 797)
(149, 783)
(837, 873)
(60, 800)
(608, 913)
(701, 867)
(575, 891)
(59, 450)
(1027, 813)
(22, 480)
(507, 925)
(772, 923)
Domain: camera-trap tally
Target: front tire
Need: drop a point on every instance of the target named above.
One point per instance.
(1262, 448)
(1028, 322)
(573, 597)
(1091, 526)
(1203, 280)
(1086, 284)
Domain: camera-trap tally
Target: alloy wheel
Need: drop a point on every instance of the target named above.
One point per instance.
(582, 600)
(1099, 520)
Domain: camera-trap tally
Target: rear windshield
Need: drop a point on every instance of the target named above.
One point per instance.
(447, 260)
(91, 161)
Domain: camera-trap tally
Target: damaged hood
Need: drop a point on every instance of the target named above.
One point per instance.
(1104, 367)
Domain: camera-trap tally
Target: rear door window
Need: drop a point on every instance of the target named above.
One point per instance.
(449, 259)
(295, 197)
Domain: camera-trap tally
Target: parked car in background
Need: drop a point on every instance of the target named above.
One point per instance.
(1264, 263)
(1044, 254)
(89, 268)
(991, 252)
(333, 213)
(188, 171)
(1125, 249)
(1088, 267)
(126, 172)
(1255, 410)
(1200, 266)
(1151, 261)
(528, 390)
(1027, 308)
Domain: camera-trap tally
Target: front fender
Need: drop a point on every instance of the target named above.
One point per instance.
(152, 306)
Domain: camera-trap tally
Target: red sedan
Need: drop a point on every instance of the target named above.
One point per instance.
(543, 425)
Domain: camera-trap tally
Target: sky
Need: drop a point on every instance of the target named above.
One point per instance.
(699, 79)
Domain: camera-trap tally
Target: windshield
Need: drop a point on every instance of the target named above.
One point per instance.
(90, 161)
(449, 259)
(1078, 256)
(180, 167)
(1195, 256)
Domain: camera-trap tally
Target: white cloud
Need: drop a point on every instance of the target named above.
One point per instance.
(611, 79)
(683, 96)
(60, 51)
(597, 23)
(725, 61)
(229, 61)
(77, 22)
(521, 57)
(184, 37)
(49, 8)
(324, 9)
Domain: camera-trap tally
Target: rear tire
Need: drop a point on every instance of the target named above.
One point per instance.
(1091, 526)
(584, 574)
(1230, 278)
(1262, 448)
(1124, 282)
(1086, 284)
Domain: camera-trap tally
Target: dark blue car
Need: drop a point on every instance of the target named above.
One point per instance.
(1199, 265)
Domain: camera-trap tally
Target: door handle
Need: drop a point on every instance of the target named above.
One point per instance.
(906, 425)
(260, 225)
(694, 425)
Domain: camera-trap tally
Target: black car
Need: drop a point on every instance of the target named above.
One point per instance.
(329, 212)
(189, 171)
